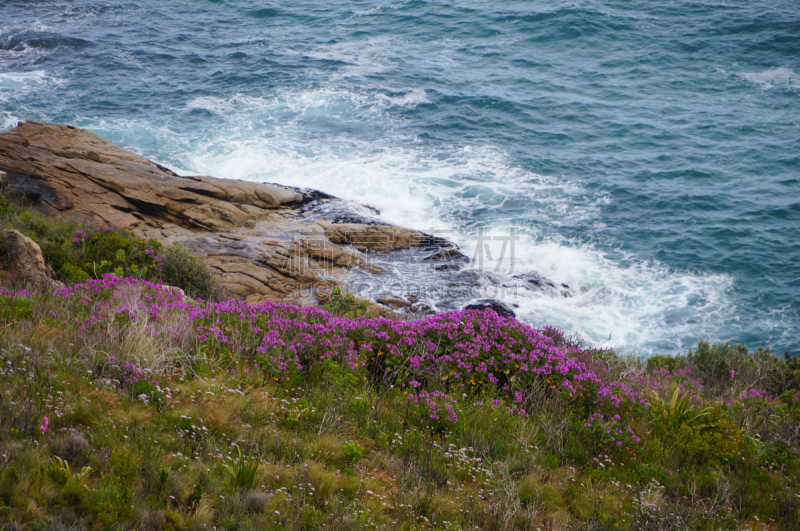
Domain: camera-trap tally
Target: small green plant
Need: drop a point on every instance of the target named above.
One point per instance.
(353, 451)
(678, 410)
(243, 472)
(5, 206)
(73, 485)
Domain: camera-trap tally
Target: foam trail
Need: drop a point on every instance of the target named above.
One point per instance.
(781, 77)
(15, 84)
(412, 98)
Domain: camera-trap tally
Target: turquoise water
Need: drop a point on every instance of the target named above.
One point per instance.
(647, 153)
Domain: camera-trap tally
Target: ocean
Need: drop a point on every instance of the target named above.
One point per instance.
(647, 154)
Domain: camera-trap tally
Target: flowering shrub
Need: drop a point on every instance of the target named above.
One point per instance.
(467, 350)
(436, 405)
(490, 418)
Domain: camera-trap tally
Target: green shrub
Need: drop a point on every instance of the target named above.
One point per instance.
(15, 308)
(112, 501)
(336, 377)
(55, 256)
(72, 274)
(100, 250)
(5, 206)
(670, 363)
(188, 272)
(172, 521)
(716, 365)
(353, 451)
(37, 225)
(9, 481)
(344, 304)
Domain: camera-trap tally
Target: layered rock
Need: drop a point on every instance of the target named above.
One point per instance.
(264, 241)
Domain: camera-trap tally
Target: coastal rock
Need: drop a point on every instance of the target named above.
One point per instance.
(393, 302)
(27, 268)
(536, 282)
(502, 309)
(263, 241)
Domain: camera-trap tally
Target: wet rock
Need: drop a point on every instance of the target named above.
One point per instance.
(448, 255)
(536, 282)
(502, 309)
(393, 302)
(447, 259)
(421, 308)
(27, 268)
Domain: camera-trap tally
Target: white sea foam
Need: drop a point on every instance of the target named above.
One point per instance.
(412, 98)
(327, 102)
(780, 77)
(8, 121)
(212, 104)
(14, 85)
(16, 81)
(623, 303)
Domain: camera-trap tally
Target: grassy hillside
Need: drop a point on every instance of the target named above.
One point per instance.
(125, 405)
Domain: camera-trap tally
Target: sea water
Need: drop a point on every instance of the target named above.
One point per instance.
(645, 153)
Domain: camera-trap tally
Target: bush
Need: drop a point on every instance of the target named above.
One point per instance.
(256, 502)
(670, 363)
(353, 451)
(9, 486)
(72, 274)
(716, 365)
(55, 256)
(15, 308)
(73, 447)
(5, 206)
(183, 269)
(344, 304)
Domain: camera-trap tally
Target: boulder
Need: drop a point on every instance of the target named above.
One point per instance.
(393, 302)
(27, 268)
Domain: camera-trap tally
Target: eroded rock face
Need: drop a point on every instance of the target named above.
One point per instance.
(27, 268)
(264, 241)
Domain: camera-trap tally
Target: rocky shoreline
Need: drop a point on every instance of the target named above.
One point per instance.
(263, 241)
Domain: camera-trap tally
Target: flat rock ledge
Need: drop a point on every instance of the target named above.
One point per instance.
(263, 241)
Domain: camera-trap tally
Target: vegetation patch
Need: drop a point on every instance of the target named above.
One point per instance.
(126, 405)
